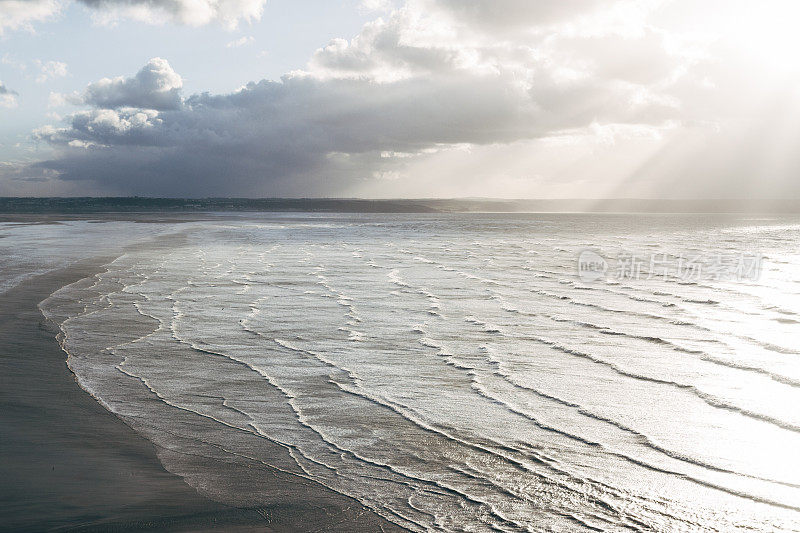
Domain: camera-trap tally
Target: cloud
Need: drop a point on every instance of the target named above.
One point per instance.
(49, 70)
(8, 59)
(377, 5)
(155, 86)
(510, 15)
(317, 132)
(190, 12)
(240, 42)
(555, 96)
(8, 98)
(56, 99)
(20, 14)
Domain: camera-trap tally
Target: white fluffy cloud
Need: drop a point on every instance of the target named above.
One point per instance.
(155, 86)
(16, 14)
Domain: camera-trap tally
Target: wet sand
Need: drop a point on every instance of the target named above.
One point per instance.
(67, 464)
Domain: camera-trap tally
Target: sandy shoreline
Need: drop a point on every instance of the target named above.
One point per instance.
(69, 465)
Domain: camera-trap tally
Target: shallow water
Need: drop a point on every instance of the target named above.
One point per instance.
(455, 373)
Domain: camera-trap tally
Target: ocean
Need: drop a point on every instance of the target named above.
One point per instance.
(452, 372)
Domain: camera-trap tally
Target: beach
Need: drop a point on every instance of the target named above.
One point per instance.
(67, 464)
(368, 372)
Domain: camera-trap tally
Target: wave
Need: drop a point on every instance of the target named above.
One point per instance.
(649, 466)
(333, 325)
(642, 438)
(707, 398)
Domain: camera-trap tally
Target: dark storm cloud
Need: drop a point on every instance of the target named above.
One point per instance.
(284, 137)
(433, 76)
(406, 85)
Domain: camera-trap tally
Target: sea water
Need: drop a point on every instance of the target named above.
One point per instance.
(462, 372)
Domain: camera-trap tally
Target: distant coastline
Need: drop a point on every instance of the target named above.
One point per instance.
(92, 205)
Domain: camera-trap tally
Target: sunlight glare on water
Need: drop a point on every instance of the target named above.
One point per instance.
(453, 372)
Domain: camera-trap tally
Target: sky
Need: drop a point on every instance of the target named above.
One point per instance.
(403, 98)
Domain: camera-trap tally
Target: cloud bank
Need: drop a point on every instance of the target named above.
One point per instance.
(446, 97)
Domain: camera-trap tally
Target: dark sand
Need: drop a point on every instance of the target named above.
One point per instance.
(67, 464)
